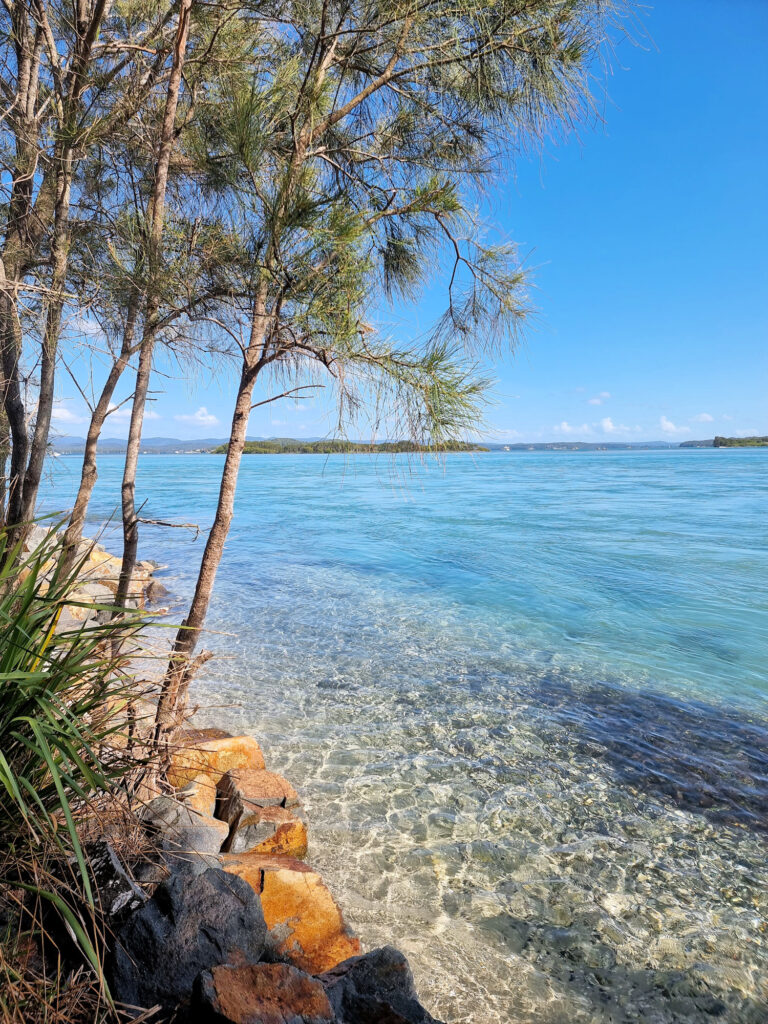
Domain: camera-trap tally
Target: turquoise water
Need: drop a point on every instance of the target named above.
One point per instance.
(526, 699)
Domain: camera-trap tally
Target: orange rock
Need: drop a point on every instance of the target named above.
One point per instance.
(263, 994)
(306, 923)
(246, 790)
(213, 757)
(270, 830)
(199, 794)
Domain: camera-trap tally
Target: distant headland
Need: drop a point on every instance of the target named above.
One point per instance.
(728, 442)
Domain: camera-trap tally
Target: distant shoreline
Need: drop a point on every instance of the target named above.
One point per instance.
(166, 446)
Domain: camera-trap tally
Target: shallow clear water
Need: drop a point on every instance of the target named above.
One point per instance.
(525, 697)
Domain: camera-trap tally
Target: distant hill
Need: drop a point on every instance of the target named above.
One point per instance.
(740, 442)
(697, 444)
(290, 446)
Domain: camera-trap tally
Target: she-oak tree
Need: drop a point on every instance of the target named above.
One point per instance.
(262, 178)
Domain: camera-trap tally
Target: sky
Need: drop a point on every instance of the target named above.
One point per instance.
(645, 236)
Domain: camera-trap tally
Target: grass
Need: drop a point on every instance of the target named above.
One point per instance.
(63, 693)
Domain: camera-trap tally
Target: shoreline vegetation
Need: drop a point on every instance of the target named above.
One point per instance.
(740, 442)
(186, 894)
(291, 447)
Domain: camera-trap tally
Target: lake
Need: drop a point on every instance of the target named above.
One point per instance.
(525, 699)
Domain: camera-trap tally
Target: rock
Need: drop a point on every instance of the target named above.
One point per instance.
(375, 989)
(214, 756)
(199, 794)
(269, 830)
(155, 592)
(189, 926)
(306, 925)
(97, 593)
(184, 833)
(261, 994)
(114, 890)
(246, 790)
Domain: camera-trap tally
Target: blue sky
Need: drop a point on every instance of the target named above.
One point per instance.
(647, 239)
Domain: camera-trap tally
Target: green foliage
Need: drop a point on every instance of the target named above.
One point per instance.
(289, 446)
(57, 731)
(740, 442)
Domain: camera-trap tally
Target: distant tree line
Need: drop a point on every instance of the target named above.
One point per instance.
(740, 442)
(291, 447)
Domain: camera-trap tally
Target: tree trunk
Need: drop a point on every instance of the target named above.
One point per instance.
(59, 261)
(89, 473)
(5, 449)
(157, 219)
(180, 665)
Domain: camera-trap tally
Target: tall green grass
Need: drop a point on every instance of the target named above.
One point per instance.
(59, 746)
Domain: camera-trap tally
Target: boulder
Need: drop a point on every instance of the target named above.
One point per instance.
(184, 835)
(261, 994)
(96, 592)
(245, 791)
(155, 592)
(269, 830)
(199, 794)
(189, 926)
(305, 922)
(213, 756)
(375, 989)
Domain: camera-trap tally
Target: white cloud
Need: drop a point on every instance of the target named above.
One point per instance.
(202, 418)
(609, 427)
(670, 428)
(727, 417)
(703, 417)
(599, 399)
(61, 413)
(567, 428)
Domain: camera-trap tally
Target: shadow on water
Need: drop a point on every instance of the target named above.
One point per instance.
(699, 757)
(578, 962)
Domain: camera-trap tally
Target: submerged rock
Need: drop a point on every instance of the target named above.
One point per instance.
(375, 989)
(261, 994)
(305, 922)
(190, 925)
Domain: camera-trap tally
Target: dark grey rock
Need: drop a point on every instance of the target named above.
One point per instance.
(190, 925)
(116, 892)
(376, 988)
(181, 828)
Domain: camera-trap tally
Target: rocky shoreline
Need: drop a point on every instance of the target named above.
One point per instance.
(238, 927)
(217, 916)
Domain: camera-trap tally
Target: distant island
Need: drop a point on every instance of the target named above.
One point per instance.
(289, 446)
(740, 442)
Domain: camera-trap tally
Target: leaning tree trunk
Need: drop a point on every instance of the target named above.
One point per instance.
(181, 666)
(157, 219)
(89, 473)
